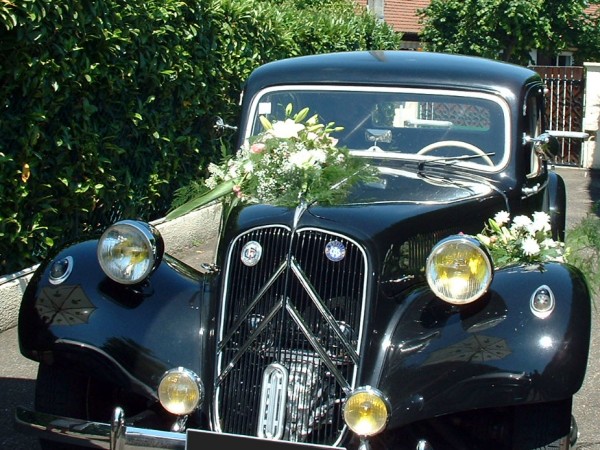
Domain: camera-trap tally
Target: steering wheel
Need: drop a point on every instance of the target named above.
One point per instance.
(460, 144)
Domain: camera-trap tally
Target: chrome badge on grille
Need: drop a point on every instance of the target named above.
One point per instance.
(251, 253)
(273, 396)
(335, 251)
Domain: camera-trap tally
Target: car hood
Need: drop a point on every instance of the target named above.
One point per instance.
(399, 204)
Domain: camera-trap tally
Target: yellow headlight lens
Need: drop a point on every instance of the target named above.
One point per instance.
(128, 251)
(459, 270)
(366, 412)
(180, 391)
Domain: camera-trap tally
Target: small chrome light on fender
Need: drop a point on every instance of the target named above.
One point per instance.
(542, 302)
(459, 269)
(180, 391)
(366, 411)
(129, 251)
(60, 270)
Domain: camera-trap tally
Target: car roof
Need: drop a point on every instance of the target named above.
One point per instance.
(395, 68)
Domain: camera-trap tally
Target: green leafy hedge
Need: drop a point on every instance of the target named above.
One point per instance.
(107, 106)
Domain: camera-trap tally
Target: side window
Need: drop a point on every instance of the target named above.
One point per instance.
(534, 128)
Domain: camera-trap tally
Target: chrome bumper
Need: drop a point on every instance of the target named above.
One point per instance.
(118, 436)
(113, 436)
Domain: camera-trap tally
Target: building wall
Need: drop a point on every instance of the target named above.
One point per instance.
(591, 118)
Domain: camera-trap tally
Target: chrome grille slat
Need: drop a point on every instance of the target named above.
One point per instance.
(260, 294)
(250, 341)
(324, 357)
(322, 308)
(298, 309)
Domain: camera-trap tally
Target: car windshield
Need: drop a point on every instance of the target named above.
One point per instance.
(465, 128)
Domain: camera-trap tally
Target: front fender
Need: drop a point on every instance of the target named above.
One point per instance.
(437, 358)
(127, 335)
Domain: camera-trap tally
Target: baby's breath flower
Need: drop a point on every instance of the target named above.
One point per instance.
(215, 170)
(210, 183)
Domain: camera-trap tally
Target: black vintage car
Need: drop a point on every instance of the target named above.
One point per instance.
(377, 322)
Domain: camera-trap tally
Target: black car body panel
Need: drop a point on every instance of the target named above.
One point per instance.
(365, 318)
(129, 335)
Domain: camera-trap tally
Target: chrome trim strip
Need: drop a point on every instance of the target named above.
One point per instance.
(367, 274)
(226, 275)
(317, 347)
(314, 296)
(252, 304)
(498, 98)
(151, 393)
(240, 353)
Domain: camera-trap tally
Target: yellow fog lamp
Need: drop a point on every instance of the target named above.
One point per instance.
(459, 269)
(128, 251)
(180, 391)
(366, 411)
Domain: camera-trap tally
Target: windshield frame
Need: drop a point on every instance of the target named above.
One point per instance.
(394, 155)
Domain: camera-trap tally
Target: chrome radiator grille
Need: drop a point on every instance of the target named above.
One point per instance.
(289, 334)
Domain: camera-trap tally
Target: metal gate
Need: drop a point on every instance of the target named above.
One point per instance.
(564, 111)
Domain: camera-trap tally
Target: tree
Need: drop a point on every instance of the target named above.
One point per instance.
(510, 29)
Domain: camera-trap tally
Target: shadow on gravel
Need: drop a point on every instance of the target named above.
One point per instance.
(15, 392)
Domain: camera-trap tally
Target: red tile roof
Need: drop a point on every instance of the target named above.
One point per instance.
(402, 14)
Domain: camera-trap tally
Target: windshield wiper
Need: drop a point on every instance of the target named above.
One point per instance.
(451, 160)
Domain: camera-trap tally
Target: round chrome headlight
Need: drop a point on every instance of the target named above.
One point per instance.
(459, 269)
(180, 391)
(129, 251)
(366, 411)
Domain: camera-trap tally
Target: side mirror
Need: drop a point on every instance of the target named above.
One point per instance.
(545, 145)
(220, 126)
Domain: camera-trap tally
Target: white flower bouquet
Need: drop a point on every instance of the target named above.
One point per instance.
(523, 240)
(291, 161)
